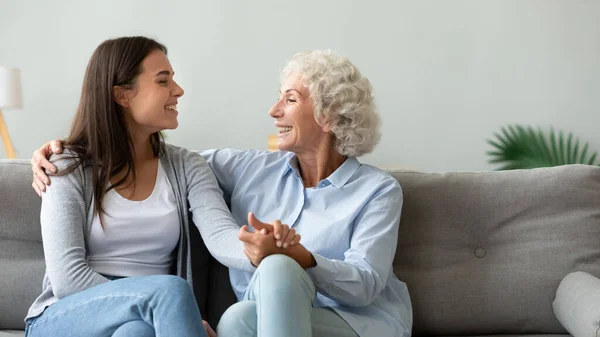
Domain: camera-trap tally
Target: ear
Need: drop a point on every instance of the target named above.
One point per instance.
(325, 125)
(120, 96)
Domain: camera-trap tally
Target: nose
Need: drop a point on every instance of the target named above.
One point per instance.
(276, 110)
(177, 91)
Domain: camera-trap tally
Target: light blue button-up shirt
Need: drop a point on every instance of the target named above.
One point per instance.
(349, 222)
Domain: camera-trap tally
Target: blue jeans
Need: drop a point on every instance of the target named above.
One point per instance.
(147, 306)
(278, 302)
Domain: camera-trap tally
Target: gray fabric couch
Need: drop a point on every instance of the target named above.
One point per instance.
(482, 253)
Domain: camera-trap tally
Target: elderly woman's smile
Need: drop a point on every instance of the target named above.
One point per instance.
(284, 129)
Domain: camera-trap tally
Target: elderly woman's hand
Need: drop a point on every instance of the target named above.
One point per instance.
(258, 245)
(284, 235)
(264, 242)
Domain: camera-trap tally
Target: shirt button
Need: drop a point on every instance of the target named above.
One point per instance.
(480, 252)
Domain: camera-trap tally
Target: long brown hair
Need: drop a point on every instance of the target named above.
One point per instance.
(99, 133)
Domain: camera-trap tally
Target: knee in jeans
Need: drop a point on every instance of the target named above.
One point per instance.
(172, 285)
(279, 263)
(238, 320)
(283, 275)
(134, 328)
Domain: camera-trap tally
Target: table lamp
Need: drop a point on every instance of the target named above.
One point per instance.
(272, 143)
(10, 98)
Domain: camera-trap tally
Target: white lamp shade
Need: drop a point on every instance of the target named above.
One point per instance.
(10, 88)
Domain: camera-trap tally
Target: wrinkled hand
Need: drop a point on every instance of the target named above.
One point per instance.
(209, 331)
(257, 248)
(263, 242)
(284, 235)
(39, 162)
(262, 245)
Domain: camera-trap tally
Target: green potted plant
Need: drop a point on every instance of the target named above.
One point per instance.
(520, 147)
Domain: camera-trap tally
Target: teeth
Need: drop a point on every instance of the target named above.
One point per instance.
(284, 128)
(171, 107)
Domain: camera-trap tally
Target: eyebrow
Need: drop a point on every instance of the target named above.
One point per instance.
(299, 93)
(164, 72)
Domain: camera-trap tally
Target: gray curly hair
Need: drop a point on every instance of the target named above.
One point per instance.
(341, 96)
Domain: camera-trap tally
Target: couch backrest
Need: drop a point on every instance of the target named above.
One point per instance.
(21, 254)
(483, 253)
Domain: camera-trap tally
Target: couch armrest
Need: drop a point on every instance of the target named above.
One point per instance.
(577, 304)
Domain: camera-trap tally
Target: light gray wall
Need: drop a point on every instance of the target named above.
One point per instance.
(446, 74)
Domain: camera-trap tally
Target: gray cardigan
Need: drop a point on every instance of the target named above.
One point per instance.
(67, 213)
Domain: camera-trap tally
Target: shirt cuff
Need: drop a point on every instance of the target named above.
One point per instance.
(249, 266)
(322, 274)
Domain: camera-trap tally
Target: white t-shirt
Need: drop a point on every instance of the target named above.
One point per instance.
(139, 238)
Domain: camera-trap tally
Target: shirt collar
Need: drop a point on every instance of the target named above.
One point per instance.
(338, 178)
(292, 164)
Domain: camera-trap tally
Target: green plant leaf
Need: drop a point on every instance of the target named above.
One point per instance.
(554, 147)
(569, 147)
(584, 153)
(561, 147)
(496, 145)
(592, 159)
(575, 152)
(520, 147)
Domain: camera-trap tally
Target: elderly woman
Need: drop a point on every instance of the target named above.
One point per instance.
(339, 280)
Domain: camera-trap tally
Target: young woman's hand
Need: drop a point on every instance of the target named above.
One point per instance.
(263, 242)
(284, 235)
(209, 331)
(258, 245)
(39, 162)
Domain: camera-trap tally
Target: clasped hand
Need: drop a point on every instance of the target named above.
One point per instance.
(273, 238)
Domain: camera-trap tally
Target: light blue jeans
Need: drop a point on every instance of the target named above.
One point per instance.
(146, 306)
(278, 302)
